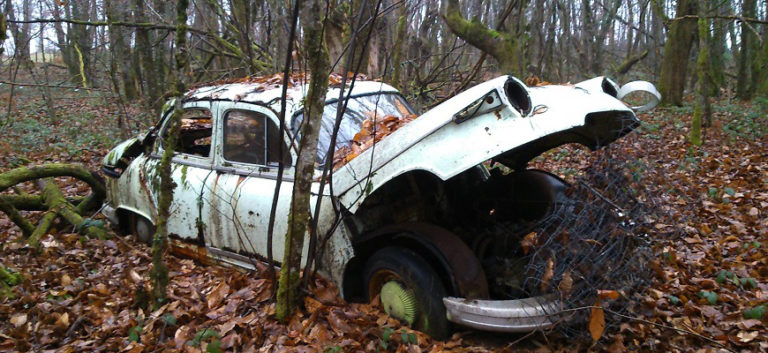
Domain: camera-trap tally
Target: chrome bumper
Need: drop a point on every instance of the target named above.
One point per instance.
(520, 315)
(110, 213)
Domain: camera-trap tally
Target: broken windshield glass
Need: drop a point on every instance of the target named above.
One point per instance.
(374, 107)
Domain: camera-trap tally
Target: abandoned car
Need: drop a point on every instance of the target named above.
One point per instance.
(406, 206)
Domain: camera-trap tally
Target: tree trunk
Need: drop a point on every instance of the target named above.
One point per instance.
(397, 49)
(674, 65)
(747, 54)
(717, 54)
(762, 82)
(159, 273)
(148, 67)
(121, 53)
(312, 15)
(701, 110)
(334, 35)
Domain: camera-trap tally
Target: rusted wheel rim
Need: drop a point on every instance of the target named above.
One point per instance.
(396, 298)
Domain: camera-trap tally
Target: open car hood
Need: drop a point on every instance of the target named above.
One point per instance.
(448, 140)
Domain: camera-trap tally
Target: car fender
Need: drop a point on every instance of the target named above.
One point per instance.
(443, 249)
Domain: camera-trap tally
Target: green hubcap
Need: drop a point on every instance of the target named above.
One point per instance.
(398, 302)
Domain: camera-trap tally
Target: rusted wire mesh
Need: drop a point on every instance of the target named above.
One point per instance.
(596, 238)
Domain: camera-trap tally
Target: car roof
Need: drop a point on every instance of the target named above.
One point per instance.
(268, 90)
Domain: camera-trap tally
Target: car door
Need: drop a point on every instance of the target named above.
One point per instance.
(191, 166)
(244, 183)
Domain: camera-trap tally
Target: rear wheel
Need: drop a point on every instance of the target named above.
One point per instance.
(409, 290)
(142, 229)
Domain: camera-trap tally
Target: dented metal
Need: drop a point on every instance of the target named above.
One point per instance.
(221, 207)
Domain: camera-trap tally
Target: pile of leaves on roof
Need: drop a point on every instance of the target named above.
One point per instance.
(371, 132)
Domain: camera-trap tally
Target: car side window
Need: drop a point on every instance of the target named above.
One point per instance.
(250, 137)
(195, 132)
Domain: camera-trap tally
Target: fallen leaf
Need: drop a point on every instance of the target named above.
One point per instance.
(746, 337)
(217, 295)
(549, 272)
(607, 294)
(63, 321)
(66, 280)
(19, 319)
(596, 322)
(136, 277)
(566, 284)
(528, 242)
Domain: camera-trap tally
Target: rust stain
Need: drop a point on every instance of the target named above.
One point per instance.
(240, 179)
(190, 250)
(145, 188)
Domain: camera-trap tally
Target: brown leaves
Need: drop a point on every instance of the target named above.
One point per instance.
(217, 295)
(528, 242)
(549, 272)
(368, 135)
(596, 321)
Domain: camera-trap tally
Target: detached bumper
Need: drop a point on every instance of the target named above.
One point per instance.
(521, 315)
(111, 214)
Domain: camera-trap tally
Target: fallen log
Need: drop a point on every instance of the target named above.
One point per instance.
(56, 202)
(23, 174)
(8, 208)
(29, 202)
(52, 199)
(8, 279)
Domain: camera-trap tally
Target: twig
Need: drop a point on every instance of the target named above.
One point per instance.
(74, 326)
(142, 25)
(29, 84)
(732, 18)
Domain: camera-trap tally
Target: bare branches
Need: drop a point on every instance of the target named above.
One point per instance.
(141, 25)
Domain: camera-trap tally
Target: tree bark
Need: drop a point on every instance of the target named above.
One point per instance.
(159, 272)
(674, 65)
(317, 53)
(717, 43)
(762, 83)
(502, 46)
(148, 67)
(397, 49)
(744, 79)
(701, 110)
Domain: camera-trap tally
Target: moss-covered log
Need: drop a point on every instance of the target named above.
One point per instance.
(23, 174)
(56, 202)
(8, 278)
(26, 227)
(29, 202)
(52, 199)
(42, 228)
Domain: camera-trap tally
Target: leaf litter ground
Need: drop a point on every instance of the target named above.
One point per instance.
(708, 292)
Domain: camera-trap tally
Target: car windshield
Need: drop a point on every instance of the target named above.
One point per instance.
(375, 107)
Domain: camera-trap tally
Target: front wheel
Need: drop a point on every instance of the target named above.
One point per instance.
(142, 229)
(410, 290)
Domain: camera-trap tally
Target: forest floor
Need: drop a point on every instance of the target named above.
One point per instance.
(709, 292)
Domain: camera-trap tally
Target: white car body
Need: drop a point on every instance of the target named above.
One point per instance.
(221, 208)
